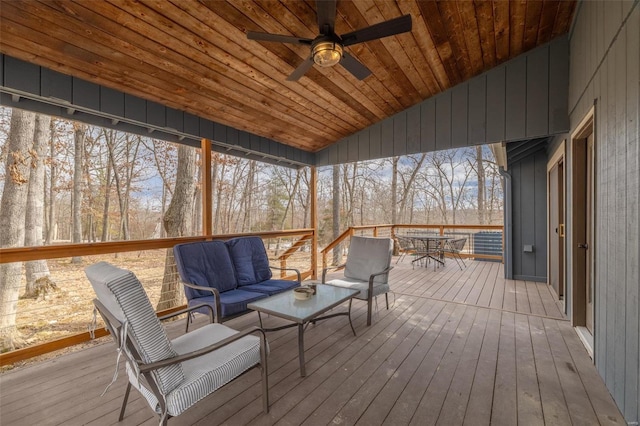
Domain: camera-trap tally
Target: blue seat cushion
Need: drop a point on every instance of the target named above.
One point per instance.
(249, 260)
(272, 287)
(207, 264)
(231, 302)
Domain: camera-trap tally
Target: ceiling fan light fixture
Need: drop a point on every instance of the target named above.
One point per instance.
(327, 53)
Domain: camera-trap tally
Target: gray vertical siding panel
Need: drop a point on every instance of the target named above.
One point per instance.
(558, 84)
(343, 151)
(528, 213)
(460, 115)
(21, 75)
(322, 158)
(56, 85)
(244, 140)
(516, 99)
(605, 59)
(191, 124)
(353, 148)
(112, 101)
(478, 110)
(135, 108)
(363, 144)
(516, 218)
(443, 121)
(413, 130)
(333, 154)
(375, 147)
(156, 114)
(538, 93)
(632, 359)
(220, 134)
(428, 125)
(400, 134)
(233, 138)
(540, 227)
(386, 138)
(496, 105)
(255, 143)
(2, 69)
(175, 119)
(206, 129)
(85, 94)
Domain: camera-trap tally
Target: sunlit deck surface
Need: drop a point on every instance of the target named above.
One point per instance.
(455, 347)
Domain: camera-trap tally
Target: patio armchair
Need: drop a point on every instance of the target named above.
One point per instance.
(454, 248)
(171, 375)
(367, 269)
(405, 246)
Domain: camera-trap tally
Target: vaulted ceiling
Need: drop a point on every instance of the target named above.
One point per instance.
(195, 56)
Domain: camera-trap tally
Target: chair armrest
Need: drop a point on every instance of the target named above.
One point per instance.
(216, 295)
(145, 368)
(288, 269)
(189, 309)
(324, 271)
(372, 276)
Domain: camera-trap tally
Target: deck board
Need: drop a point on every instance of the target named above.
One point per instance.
(456, 347)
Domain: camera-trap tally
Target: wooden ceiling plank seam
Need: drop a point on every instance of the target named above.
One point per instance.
(484, 13)
(532, 23)
(260, 69)
(359, 92)
(455, 34)
(293, 107)
(9, 49)
(517, 14)
(562, 21)
(392, 10)
(311, 92)
(547, 18)
(467, 14)
(425, 43)
(502, 31)
(397, 50)
(431, 15)
(46, 14)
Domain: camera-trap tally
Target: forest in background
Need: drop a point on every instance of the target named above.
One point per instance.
(68, 182)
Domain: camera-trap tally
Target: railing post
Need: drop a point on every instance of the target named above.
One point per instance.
(314, 224)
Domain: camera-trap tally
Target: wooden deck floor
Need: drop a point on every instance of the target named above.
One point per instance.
(456, 347)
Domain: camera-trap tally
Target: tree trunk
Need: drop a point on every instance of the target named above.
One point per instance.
(107, 201)
(12, 212)
(176, 219)
(337, 254)
(34, 217)
(79, 135)
(52, 192)
(394, 190)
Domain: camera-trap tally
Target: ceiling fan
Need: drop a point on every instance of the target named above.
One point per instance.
(327, 49)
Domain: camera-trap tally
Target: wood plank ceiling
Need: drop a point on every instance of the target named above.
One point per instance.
(195, 56)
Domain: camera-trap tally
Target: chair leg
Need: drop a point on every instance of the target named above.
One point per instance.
(265, 373)
(124, 402)
(189, 319)
(386, 299)
(369, 306)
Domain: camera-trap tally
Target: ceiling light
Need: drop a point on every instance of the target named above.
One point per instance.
(327, 53)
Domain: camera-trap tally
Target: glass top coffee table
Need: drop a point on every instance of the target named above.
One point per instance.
(302, 312)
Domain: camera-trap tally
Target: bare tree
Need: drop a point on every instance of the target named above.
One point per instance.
(12, 212)
(176, 219)
(336, 214)
(79, 137)
(37, 271)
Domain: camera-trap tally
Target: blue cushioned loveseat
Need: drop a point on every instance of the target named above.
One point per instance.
(227, 275)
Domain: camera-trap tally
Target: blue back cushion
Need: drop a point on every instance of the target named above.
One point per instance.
(249, 260)
(207, 264)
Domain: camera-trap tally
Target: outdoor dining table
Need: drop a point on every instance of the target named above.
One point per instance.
(439, 242)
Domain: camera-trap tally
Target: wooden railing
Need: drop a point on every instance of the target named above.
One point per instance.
(24, 254)
(393, 231)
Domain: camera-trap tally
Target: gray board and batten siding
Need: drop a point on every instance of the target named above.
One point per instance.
(27, 86)
(605, 71)
(527, 167)
(524, 98)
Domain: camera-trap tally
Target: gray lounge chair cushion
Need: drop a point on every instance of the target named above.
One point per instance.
(368, 255)
(207, 373)
(122, 294)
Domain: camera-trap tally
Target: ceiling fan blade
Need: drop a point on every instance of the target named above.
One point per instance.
(354, 66)
(383, 29)
(301, 70)
(252, 35)
(326, 10)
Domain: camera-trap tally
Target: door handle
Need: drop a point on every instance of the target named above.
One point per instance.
(583, 246)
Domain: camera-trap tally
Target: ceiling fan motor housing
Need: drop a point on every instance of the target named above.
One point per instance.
(326, 53)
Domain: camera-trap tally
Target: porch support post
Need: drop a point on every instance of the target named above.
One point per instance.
(314, 222)
(207, 215)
